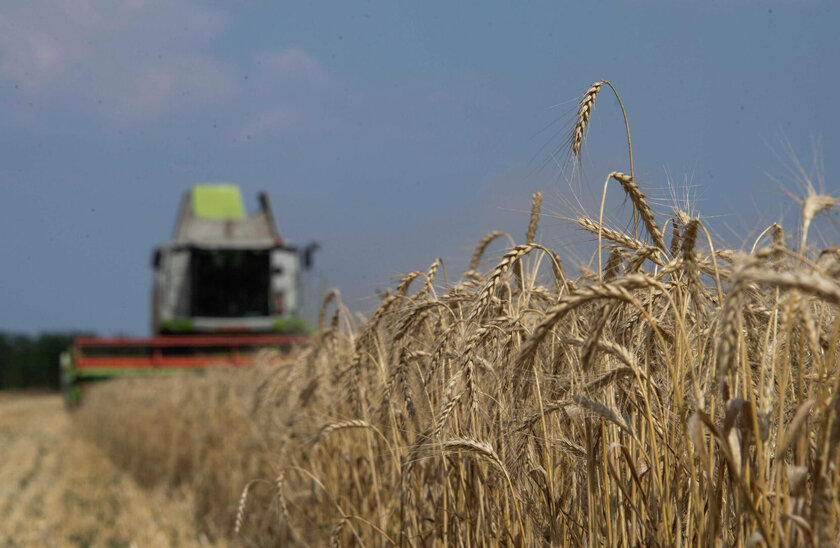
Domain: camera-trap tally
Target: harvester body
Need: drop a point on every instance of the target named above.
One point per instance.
(225, 285)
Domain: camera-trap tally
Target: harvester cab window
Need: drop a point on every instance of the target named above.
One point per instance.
(229, 283)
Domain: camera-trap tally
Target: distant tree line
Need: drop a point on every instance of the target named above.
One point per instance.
(31, 361)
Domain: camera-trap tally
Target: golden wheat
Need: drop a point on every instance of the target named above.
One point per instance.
(661, 401)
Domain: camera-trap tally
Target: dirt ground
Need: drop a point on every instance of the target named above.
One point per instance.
(57, 489)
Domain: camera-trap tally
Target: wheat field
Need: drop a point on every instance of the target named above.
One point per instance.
(675, 394)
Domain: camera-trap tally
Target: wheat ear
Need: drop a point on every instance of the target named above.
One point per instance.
(638, 198)
(330, 297)
(482, 245)
(240, 508)
(536, 203)
(587, 103)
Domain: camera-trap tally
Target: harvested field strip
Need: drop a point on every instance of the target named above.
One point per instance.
(57, 489)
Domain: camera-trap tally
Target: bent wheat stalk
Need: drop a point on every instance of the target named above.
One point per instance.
(587, 103)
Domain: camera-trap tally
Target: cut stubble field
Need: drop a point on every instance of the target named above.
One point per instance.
(58, 489)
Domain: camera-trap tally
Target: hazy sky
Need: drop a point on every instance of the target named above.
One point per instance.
(392, 133)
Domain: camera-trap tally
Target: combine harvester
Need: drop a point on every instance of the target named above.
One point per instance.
(225, 286)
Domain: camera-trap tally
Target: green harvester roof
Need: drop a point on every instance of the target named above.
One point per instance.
(223, 202)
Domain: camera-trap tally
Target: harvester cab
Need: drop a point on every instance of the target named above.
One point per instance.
(225, 285)
(224, 271)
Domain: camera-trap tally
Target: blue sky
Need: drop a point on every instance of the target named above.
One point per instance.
(392, 133)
